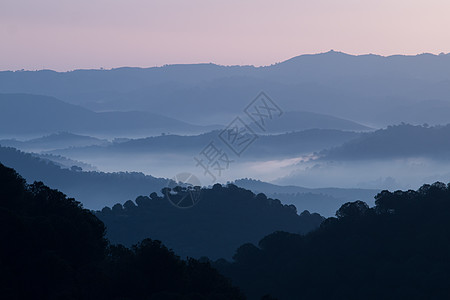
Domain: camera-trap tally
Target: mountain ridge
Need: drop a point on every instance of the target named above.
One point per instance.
(368, 89)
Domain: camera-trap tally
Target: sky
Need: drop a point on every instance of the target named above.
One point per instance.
(78, 34)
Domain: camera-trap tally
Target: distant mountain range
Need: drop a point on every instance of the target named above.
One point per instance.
(369, 89)
(23, 114)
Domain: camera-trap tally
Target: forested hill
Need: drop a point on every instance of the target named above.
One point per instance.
(52, 248)
(398, 249)
(223, 218)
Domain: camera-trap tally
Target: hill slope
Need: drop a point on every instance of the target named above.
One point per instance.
(93, 189)
(26, 114)
(325, 201)
(53, 141)
(52, 248)
(398, 249)
(303, 120)
(222, 219)
(399, 141)
(273, 146)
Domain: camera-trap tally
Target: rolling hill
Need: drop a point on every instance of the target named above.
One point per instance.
(54, 141)
(33, 115)
(325, 201)
(273, 146)
(223, 218)
(93, 189)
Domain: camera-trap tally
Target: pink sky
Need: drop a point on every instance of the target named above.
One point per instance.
(74, 34)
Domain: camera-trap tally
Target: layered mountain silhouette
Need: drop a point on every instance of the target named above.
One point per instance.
(273, 146)
(370, 89)
(50, 116)
(96, 189)
(54, 141)
(24, 114)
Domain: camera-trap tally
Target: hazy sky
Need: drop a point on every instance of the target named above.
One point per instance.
(71, 34)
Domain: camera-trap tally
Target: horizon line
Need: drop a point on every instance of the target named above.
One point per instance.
(222, 65)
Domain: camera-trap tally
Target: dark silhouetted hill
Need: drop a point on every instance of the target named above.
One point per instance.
(398, 249)
(52, 248)
(224, 218)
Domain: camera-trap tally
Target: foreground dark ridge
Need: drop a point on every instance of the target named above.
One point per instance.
(398, 249)
(52, 248)
(224, 218)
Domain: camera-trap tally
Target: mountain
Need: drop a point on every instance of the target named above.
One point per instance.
(369, 89)
(53, 248)
(25, 114)
(399, 141)
(54, 141)
(302, 120)
(325, 201)
(98, 189)
(222, 218)
(273, 146)
(398, 249)
(65, 162)
(93, 189)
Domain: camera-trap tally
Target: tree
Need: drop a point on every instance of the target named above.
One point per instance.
(53, 248)
(352, 210)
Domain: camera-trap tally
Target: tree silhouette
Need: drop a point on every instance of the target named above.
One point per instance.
(399, 249)
(52, 248)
